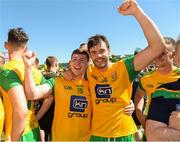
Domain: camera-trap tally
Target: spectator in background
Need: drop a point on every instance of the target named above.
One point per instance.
(45, 121)
(52, 66)
(36, 63)
(177, 54)
(151, 67)
(2, 60)
(83, 46)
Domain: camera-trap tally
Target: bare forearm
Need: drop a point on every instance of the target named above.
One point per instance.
(159, 131)
(139, 103)
(44, 108)
(155, 40)
(150, 30)
(18, 125)
(34, 92)
(30, 87)
(164, 134)
(141, 117)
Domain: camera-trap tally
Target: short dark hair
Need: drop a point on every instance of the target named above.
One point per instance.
(17, 36)
(82, 44)
(50, 60)
(169, 40)
(96, 40)
(82, 52)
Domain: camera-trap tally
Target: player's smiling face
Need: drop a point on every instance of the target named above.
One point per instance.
(100, 55)
(78, 64)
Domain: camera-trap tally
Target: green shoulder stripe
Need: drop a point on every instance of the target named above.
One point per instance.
(50, 82)
(85, 75)
(29, 104)
(177, 71)
(43, 80)
(9, 79)
(166, 94)
(129, 63)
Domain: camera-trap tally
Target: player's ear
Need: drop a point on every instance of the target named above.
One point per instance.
(6, 45)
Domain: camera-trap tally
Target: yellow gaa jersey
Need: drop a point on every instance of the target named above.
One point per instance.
(165, 100)
(11, 75)
(1, 117)
(111, 92)
(72, 115)
(151, 81)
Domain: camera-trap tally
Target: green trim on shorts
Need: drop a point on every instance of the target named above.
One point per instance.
(129, 138)
(33, 135)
